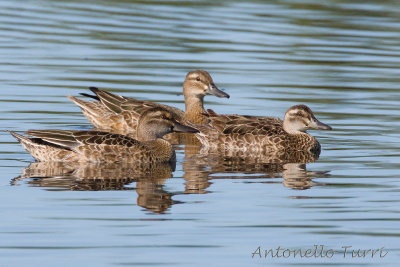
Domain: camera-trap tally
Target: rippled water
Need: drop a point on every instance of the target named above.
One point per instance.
(339, 57)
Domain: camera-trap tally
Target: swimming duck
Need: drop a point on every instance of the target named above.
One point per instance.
(121, 114)
(263, 134)
(97, 146)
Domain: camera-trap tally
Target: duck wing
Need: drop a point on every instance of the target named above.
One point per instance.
(74, 139)
(118, 113)
(240, 124)
(119, 104)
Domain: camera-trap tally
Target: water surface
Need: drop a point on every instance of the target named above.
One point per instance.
(337, 57)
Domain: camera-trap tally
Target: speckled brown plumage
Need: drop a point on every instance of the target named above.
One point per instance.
(59, 145)
(97, 146)
(262, 134)
(117, 113)
(240, 158)
(120, 114)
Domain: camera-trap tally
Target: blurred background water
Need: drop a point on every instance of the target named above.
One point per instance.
(339, 57)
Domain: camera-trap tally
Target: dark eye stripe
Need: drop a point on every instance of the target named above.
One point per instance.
(298, 113)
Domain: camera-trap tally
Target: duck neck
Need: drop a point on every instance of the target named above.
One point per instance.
(302, 141)
(194, 109)
(291, 128)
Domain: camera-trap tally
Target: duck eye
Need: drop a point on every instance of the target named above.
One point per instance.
(198, 79)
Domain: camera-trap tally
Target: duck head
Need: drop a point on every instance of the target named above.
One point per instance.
(157, 122)
(300, 118)
(199, 83)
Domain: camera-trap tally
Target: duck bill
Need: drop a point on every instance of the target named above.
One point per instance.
(213, 90)
(178, 127)
(320, 126)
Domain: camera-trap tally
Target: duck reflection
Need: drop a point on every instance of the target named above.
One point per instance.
(149, 178)
(200, 169)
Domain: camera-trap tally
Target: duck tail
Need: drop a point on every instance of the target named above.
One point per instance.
(84, 105)
(20, 138)
(95, 97)
(27, 143)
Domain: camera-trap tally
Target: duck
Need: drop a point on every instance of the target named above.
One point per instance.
(120, 114)
(262, 135)
(100, 146)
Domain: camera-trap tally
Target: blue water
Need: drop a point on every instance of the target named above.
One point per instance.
(337, 57)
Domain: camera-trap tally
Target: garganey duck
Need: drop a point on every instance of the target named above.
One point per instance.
(97, 146)
(121, 114)
(263, 134)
